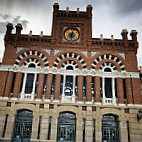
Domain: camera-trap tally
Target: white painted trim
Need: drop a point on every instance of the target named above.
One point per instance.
(130, 105)
(56, 101)
(84, 72)
(121, 104)
(80, 102)
(98, 103)
(38, 100)
(5, 98)
(88, 102)
(47, 100)
(14, 99)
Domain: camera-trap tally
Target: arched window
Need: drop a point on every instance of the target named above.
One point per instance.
(69, 83)
(110, 128)
(30, 80)
(66, 127)
(108, 83)
(23, 126)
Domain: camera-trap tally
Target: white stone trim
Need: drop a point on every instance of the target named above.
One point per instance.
(20, 48)
(84, 72)
(46, 50)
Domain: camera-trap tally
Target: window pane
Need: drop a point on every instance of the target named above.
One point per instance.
(29, 83)
(69, 86)
(108, 87)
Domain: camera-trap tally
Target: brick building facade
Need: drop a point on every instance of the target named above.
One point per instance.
(70, 86)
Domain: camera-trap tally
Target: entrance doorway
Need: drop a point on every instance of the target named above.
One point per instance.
(110, 128)
(23, 126)
(66, 127)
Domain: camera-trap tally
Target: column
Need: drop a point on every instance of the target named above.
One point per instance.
(8, 84)
(136, 91)
(3, 75)
(123, 131)
(24, 85)
(54, 123)
(88, 89)
(73, 95)
(9, 126)
(57, 87)
(120, 90)
(48, 86)
(35, 125)
(64, 82)
(98, 126)
(89, 126)
(2, 122)
(44, 125)
(79, 126)
(34, 84)
(103, 90)
(17, 84)
(40, 86)
(80, 88)
(97, 89)
(129, 91)
(113, 91)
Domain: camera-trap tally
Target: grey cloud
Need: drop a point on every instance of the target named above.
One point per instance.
(2, 27)
(6, 16)
(16, 19)
(24, 23)
(125, 8)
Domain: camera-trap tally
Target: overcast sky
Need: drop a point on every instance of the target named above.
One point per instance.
(109, 17)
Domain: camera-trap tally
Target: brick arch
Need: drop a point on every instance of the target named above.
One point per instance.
(76, 56)
(37, 54)
(67, 59)
(31, 57)
(108, 61)
(31, 49)
(117, 60)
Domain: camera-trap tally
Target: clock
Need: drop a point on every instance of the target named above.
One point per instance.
(71, 34)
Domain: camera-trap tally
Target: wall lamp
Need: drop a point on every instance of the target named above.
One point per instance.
(139, 115)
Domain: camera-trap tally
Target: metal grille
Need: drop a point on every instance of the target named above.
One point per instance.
(110, 129)
(66, 127)
(23, 126)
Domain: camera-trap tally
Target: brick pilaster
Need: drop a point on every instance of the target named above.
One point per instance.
(88, 88)
(17, 84)
(8, 84)
(48, 86)
(129, 91)
(80, 88)
(120, 91)
(136, 91)
(40, 86)
(57, 87)
(97, 89)
(3, 75)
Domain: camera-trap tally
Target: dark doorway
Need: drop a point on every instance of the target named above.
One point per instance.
(66, 127)
(110, 128)
(23, 126)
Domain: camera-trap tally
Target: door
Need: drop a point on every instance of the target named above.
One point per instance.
(23, 126)
(66, 127)
(110, 128)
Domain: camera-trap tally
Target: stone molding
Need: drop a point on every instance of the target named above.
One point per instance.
(84, 72)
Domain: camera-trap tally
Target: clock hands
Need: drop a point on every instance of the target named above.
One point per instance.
(71, 34)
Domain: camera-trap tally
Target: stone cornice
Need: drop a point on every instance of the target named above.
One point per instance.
(76, 72)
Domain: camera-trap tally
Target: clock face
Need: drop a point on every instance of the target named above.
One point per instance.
(71, 34)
